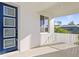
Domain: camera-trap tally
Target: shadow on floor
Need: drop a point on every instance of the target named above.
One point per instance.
(70, 52)
(49, 45)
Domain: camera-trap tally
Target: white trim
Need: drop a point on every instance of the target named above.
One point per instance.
(44, 33)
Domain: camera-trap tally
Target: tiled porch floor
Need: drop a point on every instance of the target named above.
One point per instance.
(41, 51)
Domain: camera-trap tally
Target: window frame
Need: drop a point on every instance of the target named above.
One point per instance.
(44, 18)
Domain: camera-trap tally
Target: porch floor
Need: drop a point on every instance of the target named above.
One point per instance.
(57, 50)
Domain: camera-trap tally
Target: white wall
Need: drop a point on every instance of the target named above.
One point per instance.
(44, 38)
(29, 29)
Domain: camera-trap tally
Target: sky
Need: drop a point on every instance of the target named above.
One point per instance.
(66, 19)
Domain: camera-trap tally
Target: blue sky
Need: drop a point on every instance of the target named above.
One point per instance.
(66, 19)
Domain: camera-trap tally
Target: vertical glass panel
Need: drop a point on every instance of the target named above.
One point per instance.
(8, 43)
(41, 23)
(9, 22)
(46, 24)
(9, 32)
(9, 11)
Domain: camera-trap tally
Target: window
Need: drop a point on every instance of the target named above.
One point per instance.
(44, 24)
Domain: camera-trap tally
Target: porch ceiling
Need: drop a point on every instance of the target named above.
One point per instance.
(35, 6)
(51, 9)
(61, 8)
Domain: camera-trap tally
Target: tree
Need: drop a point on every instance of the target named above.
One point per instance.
(59, 22)
(71, 23)
(77, 24)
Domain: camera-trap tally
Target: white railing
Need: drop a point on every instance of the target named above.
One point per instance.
(67, 38)
(47, 38)
(52, 38)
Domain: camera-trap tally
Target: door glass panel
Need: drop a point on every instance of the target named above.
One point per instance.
(9, 11)
(9, 22)
(8, 43)
(9, 32)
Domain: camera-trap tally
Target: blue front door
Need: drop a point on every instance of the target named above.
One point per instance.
(8, 28)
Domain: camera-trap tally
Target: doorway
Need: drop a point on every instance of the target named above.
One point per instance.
(8, 28)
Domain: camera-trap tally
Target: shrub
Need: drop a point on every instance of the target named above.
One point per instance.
(60, 30)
